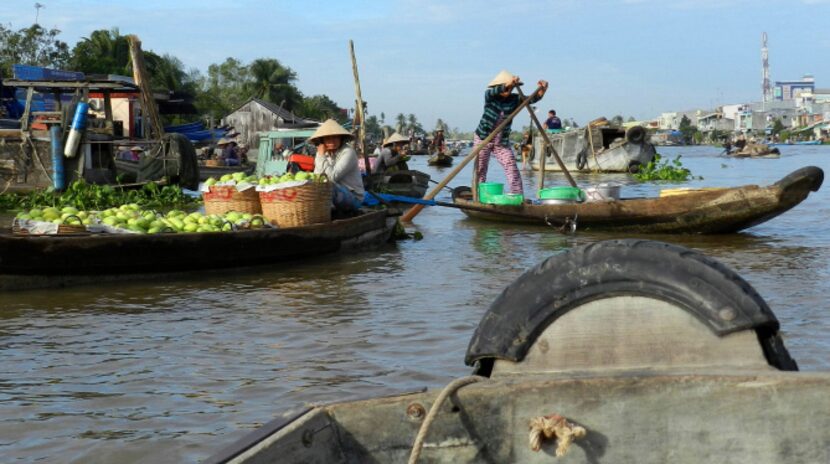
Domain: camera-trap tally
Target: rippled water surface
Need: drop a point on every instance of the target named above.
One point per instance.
(173, 370)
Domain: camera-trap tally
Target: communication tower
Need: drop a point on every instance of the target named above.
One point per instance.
(766, 88)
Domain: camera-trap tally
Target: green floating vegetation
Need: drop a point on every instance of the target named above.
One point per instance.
(84, 196)
(665, 170)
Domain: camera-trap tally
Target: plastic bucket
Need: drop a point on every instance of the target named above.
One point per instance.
(487, 190)
(562, 193)
(510, 199)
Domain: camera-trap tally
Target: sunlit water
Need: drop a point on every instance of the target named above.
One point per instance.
(171, 371)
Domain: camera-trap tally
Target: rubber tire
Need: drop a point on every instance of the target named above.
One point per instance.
(582, 159)
(634, 167)
(636, 135)
(705, 288)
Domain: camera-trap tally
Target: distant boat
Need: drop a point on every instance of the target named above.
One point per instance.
(608, 149)
(809, 142)
(440, 159)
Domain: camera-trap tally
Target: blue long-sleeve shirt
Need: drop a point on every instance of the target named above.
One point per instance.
(494, 107)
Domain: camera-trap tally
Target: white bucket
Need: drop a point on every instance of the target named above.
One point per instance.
(603, 192)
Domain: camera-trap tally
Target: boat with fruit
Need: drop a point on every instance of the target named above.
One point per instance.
(692, 211)
(617, 351)
(35, 261)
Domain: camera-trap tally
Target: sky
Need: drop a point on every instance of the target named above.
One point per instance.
(434, 58)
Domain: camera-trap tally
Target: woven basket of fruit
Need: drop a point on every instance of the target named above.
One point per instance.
(300, 205)
(50, 221)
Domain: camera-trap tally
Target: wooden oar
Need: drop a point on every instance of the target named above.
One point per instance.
(553, 150)
(412, 212)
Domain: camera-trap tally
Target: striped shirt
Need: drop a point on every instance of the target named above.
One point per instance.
(495, 107)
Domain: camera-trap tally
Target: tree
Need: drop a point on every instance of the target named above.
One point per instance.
(687, 130)
(223, 89)
(321, 107)
(103, 52)
(617, 120)
(413, 125)
(777, 126)
(273, 82)
(34, 46)
(440, 124)
(373, 129)
(400, 123)
(631, 119)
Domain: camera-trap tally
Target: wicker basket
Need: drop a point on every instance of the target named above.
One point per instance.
(214, 163)
(220, 200)
(63, 229)
(298, 206)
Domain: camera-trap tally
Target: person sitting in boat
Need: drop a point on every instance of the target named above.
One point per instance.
(338, 161)
(393, 155)
(438, 141)
(230, 154)
(499, 102)
(553, 123)
(135, 153)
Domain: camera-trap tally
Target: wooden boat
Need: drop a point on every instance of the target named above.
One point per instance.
(625, 351)
(607, 149)
(756, 150)
(440, 159)
(41, 261)
(700, 211)
(407, 183)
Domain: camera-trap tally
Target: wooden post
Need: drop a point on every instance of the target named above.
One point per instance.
(361, 132)
(553, 150)
(24, 121)
(412, 212)
(151, 122)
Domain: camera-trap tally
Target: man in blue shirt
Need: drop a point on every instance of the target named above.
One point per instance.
(553, 122)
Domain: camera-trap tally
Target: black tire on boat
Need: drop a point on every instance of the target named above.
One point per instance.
(634, 167)
(458, 192)
(636, 135)
(701, 286)
(582, 159)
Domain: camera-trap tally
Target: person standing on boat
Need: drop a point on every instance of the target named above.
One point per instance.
(499, 102)
(392, 157)
(438, 141)
(338, 161)
(553, 122)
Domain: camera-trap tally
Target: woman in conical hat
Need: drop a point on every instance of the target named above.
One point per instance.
(338, 162)
(392, 156)
(499, 102)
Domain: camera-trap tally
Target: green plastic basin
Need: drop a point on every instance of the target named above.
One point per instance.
(487, 190)
(562, 193)
(510, 199)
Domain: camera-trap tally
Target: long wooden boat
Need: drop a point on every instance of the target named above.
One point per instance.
(624, 351)
(42, 261)
(704, 211)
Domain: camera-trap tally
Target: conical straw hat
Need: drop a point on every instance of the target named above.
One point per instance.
(395, 138)
(502, 78)
(330, 127)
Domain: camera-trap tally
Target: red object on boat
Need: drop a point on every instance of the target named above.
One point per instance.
(305, 162)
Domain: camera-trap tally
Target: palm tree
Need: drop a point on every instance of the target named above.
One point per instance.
(412, 123)
(400, 119)
(273, 82)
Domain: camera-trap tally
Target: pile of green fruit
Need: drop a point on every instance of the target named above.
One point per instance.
(289, 177)
(64, 216)
(235, 178)
(132, 217)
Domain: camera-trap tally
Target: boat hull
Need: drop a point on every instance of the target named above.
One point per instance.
(440, 159)
(612, 152)
(761, 417)
(40, 261)
(699, 212)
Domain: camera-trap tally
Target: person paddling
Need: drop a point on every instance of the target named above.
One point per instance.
(500, 101)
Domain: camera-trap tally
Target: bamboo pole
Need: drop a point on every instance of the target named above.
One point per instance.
(142, 80)
(553, 150)
(412, 212)
(361, 132)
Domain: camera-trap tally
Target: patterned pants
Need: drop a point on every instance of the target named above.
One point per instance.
(504, 156)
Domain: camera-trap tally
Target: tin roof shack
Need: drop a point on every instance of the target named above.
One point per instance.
(256, 116)
(25, 151)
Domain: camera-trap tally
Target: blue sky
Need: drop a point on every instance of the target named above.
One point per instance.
(434, 58)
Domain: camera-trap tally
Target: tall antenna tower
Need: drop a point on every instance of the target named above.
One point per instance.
(766, 88)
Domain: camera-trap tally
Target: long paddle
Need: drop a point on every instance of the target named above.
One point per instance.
(412, 212)
(553, 150)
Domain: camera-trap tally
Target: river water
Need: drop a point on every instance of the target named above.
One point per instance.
(173, 370)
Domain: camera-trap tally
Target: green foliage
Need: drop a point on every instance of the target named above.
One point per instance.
(665, 170)
(273, 82)
(777, 126)
(98, 197)
(687, 130)
(321, 107)
(785, 135)
(32, 45)
(103, 52)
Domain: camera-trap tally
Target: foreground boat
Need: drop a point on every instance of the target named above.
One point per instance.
(608, 149)
(704, 211)
(407, 183)
(623, 351)
(45, 261)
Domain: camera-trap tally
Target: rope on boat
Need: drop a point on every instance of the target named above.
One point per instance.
(451, 388)
(554, 426)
